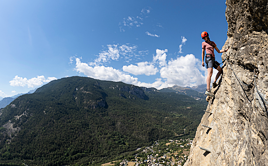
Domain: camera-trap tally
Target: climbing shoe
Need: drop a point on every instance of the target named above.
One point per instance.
(214, 84)
(208, 93)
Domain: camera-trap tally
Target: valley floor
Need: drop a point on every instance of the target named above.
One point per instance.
(172, 152)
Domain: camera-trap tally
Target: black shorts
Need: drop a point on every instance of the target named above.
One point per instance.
(210, 61)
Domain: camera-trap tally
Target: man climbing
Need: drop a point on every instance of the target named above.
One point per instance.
(209, 46)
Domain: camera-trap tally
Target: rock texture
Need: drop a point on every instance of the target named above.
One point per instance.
(237, 116)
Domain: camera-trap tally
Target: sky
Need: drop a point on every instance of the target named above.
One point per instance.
(148, 43)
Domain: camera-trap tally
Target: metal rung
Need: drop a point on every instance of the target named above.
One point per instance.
(207, 126)
(208, 111)
(205, 149)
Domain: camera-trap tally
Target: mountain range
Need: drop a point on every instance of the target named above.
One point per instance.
(190, 91)
(78, 120)
(7, 100)
(197, 92)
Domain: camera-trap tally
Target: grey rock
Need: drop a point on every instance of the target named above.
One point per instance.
(138, 92)
(122, 95)
(102, 103)
(134, 90)
(239, 135)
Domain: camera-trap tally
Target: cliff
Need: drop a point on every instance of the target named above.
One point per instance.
(234, 128)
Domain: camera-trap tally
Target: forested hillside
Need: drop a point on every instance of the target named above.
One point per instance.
(87, 121)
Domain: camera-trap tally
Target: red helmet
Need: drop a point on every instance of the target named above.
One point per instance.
(204, 34)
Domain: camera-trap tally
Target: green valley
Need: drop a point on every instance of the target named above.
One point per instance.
(83, 121)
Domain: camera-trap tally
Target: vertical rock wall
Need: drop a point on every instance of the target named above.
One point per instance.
(238, 120)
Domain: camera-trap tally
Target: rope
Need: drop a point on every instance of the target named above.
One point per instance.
(239, 82)
(258, 94)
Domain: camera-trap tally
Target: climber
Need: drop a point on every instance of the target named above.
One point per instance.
(209, 46)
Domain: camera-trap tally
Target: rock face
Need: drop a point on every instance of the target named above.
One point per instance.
(234, 130)
(138, 92)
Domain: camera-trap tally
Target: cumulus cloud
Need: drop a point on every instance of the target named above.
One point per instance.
(141, 68)
(160, 57)
(33, 82)
(111, 74)
(158, 84)
(153, 35)
(183, 71)
(104, 73)
(183, 41)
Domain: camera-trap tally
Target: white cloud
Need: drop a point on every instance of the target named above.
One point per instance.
(72, 59)
(159, 25)
(143, 53)
(184, 71)
(130, 22)
(125, 49)
(160, 57)
(183, 41)
(13, 91)
(113, 53)
(130, 18)
(145, 10)
(104, 73)
(141, 68)
(111, 74)
(2, 94)
(33, 82)
(153, 35)
(213, 75)
(180, 51)
(158, 84)
(134, 21)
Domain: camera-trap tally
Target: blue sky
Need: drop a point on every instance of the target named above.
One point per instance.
(152, 43)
